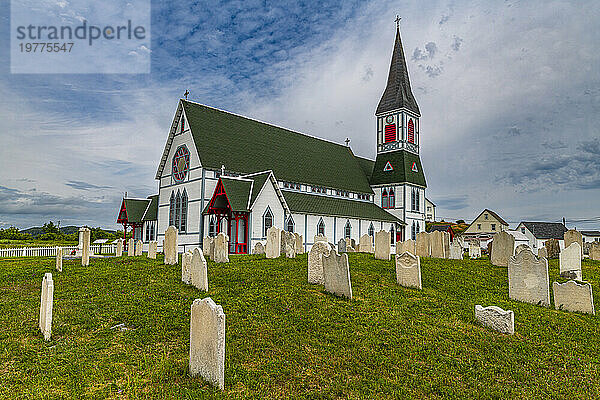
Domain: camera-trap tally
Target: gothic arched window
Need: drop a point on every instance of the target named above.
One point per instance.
(177, 209)
(392, 234)
(183, 216)
(347, 230)
(172, 210)
(267, 221)
(321, 227)
(384, 199)
(391, 199)
(212, 226)
(413, 231)
(290, 224)
(411, 131)
(371, 230)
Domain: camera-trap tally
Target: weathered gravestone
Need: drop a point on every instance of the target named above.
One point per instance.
(298, 243)
(446, 239)
(595, 251)
(573, 296)
(341, 246)
(273, 249)
(336, 274)
(315, 261)
(522, 247)
(408, 270)
(408, 245)
(586, 248)
(474, 249)
(186, 264)
(365, 244)
(320, 238)
(170, 246)
(503, 248)
(85, 251)
(350, 246)
(496, 318)
(570, 262)
(456, 251)
(528, 279)
(382, 245)
(288, 239)
(573, 236)
(258, 248)
(437, 244)
(119, 251)
(542, 252)
(207, 341)
(199, 270)
(423, 245)
(46, 304)
(489, 248)
(152, 246)
(207, 243)
(131, 247)
(59, 259)
(552, 248)
(290, 251)
(221, 249)
(139, 246)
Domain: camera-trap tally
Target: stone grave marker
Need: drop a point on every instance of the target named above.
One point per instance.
(315, 261)
(595, 251)
(573, 296)
(46, 304)
(336, 274)
(273, 249)
(258, 248)
(542, 252)
(207, 341)
(59, 259)
(573, 236)
(570, 262)
(206, 244)
(528, 279)
(170, 246)
(522, 247)
(423, 245)
(496, 318)
(456, 251)
(437, 244)
(130, 247)
(320, 238)
(85, 251)
(298, 244)
(119, 251)
(408, 270)
(407, 245)
(382, 245)
(290, 251)
(552, 248)
(221, 248)
(139, 247)
(341, 246)
(474, 249)
(446, 244)
(503, 248)
(152, 246)
(365, 244)
(199, 270)
(186, 267)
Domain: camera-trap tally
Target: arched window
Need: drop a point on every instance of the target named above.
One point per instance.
(371, 230)
(290, 224)
(172, 210)
(183, 216)
(177, 209)
(212, 226)
(413, 231)
(392, 234)
(411, 131)
(267, 221)
(417, 200)
(321, 227)
(384, 199)
(391, 199)
(390, 133)
(348, 230)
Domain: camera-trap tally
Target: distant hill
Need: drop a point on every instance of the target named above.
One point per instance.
(67, 230)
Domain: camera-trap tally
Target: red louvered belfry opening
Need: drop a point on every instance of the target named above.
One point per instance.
(390, 133)
(411, 131)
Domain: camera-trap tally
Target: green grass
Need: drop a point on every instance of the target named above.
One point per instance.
(286, 338)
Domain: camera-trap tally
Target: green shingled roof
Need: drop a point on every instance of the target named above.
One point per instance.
(366, 165)
(151, 213)
(321, 205)
(402, 165)
(238, 192)
(135, 209)
(245, 146)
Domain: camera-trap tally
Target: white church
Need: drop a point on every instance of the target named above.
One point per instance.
(223, 172)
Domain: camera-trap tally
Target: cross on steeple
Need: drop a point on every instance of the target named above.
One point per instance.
(186, 94)
(397, 21)
(347, 141)
(222, 170)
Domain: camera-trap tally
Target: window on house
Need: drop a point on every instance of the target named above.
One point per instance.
(391, 199)
(267, 221)
(411, 131)
(392, 234)
(478, 227)
(347, 230)
(172, 210)
(493, 227)
(485, 216)
(290, 225)
(522, 230)
(177, 209)
(384, 199)
(321, 227)
(147, 231)
(413, 233)
(414, 199)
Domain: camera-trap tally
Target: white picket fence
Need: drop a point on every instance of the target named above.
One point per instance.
(51, 251)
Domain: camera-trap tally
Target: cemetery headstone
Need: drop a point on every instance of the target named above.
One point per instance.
(85, 251)
(365, 244)
(207, 341)
(586, 248)
(573, 236)
(152, 246)
(170, 246)
(131, 247)
(139, 246)
(474, 249)
(570, 262)
(341, 246)
(290, 251)
(221, 248)
(258, 248)
(408, 270)
(315, 261)
(206, 244)
(186, 267)
(595, 251)
(489, 248)
(573, 296)
(199, 270)
(46, 304)
(456, 251)
(502, 249)
(298, 243)
(59, 259)
(446, 244)
(437, 244)
(522, 247)
(273, 249)
(552, 248)
(542, 252)
(382, 245)
(496, 318)
(528, 279)
(119, 251)
(423, 245)
(320, 238)
(336, 274)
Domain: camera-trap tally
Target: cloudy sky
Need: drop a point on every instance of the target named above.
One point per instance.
(509, 93)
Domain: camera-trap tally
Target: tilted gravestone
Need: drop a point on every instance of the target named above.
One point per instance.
(59, 259)
(423, 245)
(258, 248)
(595, 251)
(199, 270)
(320, 238)
(456, 251)
(85, 251)
(186, 263)
(139, 248)
(570, 262)
(542, 252)
(170, 246)
(207, 341)
(131, 247)
(315, 261)
(119, 251)
(573, 236)
(341, 246)
(152, 246)
(382, 245)
(528, 279)
(408, 270)
(573, 296)
(474, 249)
(221, 248)
(336, 274)
(496, 318)
(298, 243)
(522, 247)
(552, 248)
(408, 245)
(273, 248)
(503, 248)
(46, 304)
(365, 244)
(437, 244)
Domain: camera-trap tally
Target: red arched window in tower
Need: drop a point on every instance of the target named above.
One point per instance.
(391, 199)
(390, 133)
(411, 131)
(384, 199)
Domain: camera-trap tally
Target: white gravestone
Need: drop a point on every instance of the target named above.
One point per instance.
(206, 243)
(59, 259)
(207, 341)
(437, 244)
(573, 236)
(446, 244)
(423, 244)
(273, 249)
(186, 267)
(139, 248)
(170, 246)
(503, 247)
(573, 296)
(119, 251)
(258, 248)
(408, 270)
(365, 244)
(320, 238)
(315, 261)
(221, 248)
(85, 251)
(46, 304)
(152, 246)
(474, 249)
(290, 251)
(408, 245)
(528, 279)
(382, 245)
(595, 251)
(288, 240)
(199, 270)
(336, 274)
(130, 247)
(496, 318)
(298, 242)
(456, 251)
(570, 262)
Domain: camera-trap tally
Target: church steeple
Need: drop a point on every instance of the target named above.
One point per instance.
(397, 93)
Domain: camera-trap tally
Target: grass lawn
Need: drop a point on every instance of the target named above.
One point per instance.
(286, 338)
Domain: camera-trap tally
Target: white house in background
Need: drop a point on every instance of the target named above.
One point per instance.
(429, 210)
(590, 236)
(520, 238)
(539, 232)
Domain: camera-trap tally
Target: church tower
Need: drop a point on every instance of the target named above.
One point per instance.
(398, 179)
